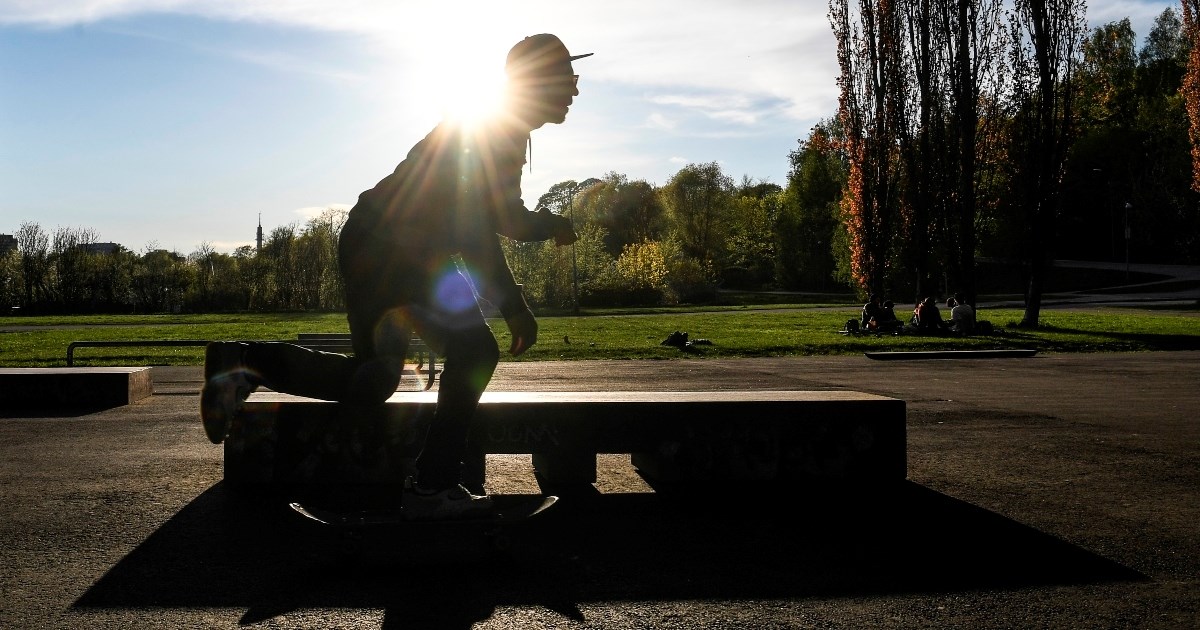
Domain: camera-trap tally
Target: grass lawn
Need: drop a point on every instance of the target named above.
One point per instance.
(734, 331)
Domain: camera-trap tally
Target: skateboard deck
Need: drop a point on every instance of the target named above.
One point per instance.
(507, 513)
(359, 526)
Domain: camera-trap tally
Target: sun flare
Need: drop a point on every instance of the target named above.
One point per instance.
(467, 89)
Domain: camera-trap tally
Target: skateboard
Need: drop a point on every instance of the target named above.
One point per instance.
(362, 528)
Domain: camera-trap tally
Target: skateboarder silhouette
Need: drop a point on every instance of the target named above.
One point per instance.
(403, 253)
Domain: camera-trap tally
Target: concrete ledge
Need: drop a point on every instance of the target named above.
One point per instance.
(950, 354)
(74, 387)
(281, 440)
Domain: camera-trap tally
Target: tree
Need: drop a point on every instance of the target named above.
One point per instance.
(950, 55)
(69, 256)
(201, 295)
(642, 272)
(752, 244)
(562, 199)
(1046, 40)
(750, 259)
(280, 256)
(629, 211)
(1163, 60)
(698, 202)
(10, 280)
(1191, 83)
(1129, 163)
(975, 75)
(218, 280)
(1099, 173)
(319, 284)
(34, 246)
(869, 52)
(689, 279)
(160, 280)
(1107, 73)
(920, 98)
(807, 223)
(1164, 208)
(109, 280)
(254, 278)
(594, 265)
(545, 270)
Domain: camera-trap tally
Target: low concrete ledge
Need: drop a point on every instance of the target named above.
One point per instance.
(74, 386)
(282, 440)
(901, 355)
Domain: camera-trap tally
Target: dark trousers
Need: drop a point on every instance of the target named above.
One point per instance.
(387, 299)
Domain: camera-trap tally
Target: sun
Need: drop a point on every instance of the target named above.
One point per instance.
(431, 77)
(466, 90)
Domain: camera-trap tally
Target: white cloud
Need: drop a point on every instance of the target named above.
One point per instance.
(709, 44)
(657, 120)
(736, 116)
(704, 102)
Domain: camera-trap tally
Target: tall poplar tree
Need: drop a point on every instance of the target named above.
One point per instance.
(1191, 83)
(869, 51)
(1046, 44)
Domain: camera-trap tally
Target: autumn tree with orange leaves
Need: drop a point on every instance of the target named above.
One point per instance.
(915, 77)
(1191, 83)
(869, 51)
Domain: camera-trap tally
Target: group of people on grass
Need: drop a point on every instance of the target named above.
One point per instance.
(879, 316)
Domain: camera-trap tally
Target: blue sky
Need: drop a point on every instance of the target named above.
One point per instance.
(171, 123)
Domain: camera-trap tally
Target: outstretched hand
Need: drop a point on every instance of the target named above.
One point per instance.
(564, 233)
(524, 329)
(565, 236)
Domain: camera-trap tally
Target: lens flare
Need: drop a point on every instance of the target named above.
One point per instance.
(452, 291)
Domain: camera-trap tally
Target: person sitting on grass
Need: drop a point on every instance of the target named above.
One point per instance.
(888, 322)
(870, 314)
(928, 318)
(962, 316)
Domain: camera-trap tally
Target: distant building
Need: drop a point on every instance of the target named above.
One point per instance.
(100, 248)
(8, 243)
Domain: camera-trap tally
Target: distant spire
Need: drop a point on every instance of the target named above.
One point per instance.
(259, 239)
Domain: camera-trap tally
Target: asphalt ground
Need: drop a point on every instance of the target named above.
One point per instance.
(1058, 491)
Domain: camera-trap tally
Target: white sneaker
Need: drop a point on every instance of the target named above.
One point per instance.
(226, 387)
(452, 503)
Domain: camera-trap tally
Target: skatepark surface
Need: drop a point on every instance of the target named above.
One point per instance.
(1055, 491)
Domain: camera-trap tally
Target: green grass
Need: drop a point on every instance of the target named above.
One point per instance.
(735, 331)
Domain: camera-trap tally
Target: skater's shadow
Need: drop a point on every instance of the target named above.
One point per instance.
(226, 550)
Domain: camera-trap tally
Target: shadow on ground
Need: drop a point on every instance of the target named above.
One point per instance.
(226, 550)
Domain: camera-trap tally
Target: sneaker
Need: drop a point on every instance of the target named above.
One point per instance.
(226, 387)
(452, 503)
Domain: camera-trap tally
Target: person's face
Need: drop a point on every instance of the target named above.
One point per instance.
(545, 99)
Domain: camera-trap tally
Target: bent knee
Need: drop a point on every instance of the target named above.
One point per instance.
(477, 347)
(374, 381)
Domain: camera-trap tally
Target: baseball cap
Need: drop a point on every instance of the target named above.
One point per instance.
(540, 55)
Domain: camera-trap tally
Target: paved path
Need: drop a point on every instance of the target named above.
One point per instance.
(1059, 491)
(1180, 286)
